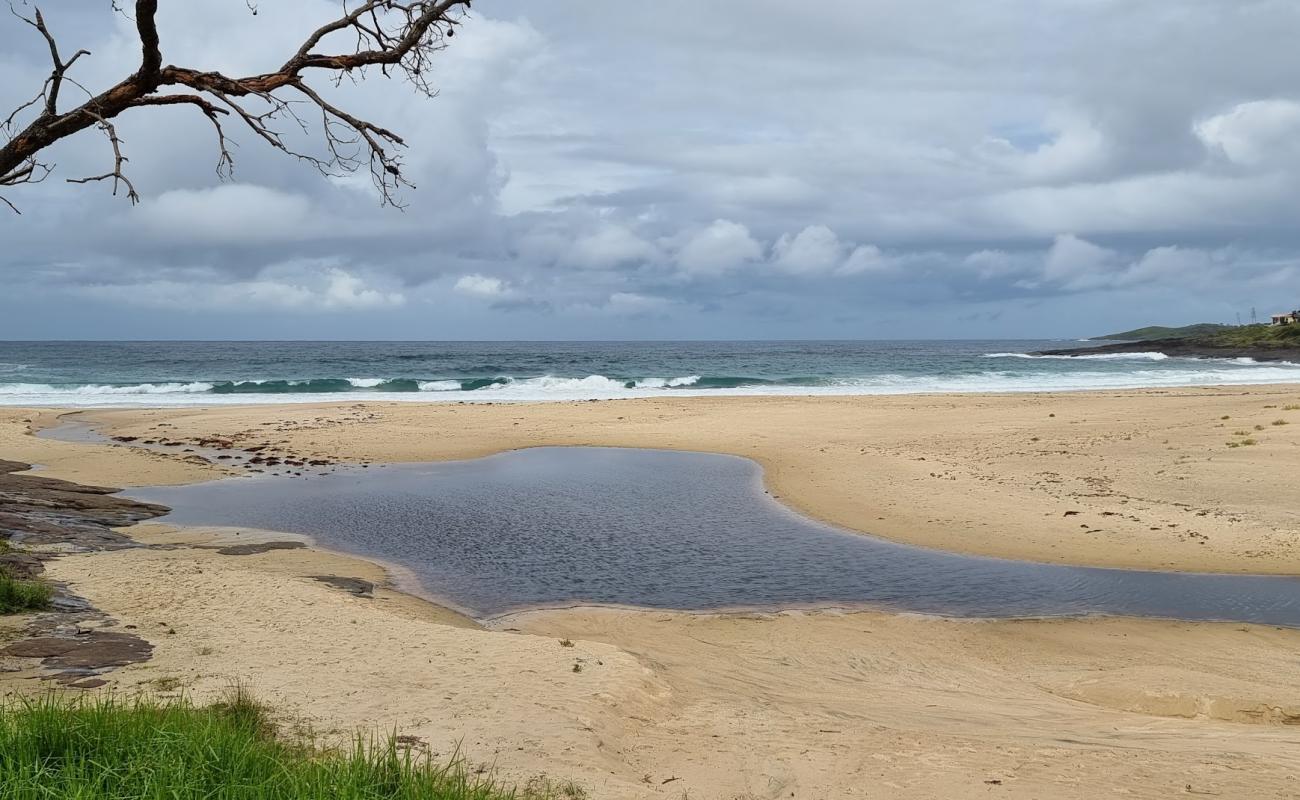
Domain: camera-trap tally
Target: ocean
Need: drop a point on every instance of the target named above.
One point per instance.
(208, 373)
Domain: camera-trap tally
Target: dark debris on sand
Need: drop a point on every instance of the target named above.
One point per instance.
(72, 643)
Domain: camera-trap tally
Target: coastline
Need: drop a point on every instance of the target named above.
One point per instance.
(1186, 348)
(662, 704)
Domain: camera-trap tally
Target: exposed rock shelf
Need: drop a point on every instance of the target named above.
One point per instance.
(1186, 348)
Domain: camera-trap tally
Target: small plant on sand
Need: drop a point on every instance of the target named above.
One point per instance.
(109, 748)
(1225, 416)
(167, 683)
(1240, 433)
(1280, 422)
(566, 643)
(1248, 442)
(542, 786)
(17, 596)
(1292, 407)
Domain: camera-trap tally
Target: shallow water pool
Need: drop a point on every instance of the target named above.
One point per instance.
(552, 527)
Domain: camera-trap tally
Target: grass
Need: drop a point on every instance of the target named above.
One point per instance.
(1162, 332)
(109, 748)
(1256, 336)
(17, 596)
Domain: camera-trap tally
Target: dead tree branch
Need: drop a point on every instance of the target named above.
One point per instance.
(399, 37)
(119, 177)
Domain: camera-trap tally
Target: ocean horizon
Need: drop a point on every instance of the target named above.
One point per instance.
(168, 373)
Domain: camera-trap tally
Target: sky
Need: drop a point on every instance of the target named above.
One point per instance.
(731, 169)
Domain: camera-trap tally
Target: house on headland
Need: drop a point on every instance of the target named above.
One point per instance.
(1289, 318)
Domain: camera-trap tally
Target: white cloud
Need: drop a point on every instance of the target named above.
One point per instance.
(610, 246)
(286, 288)
(815, 249)
(1075, 146)
(1255, 133)
(722, 246)
(346, 291)
(480, 286)
(864, 258)
(633, 303)
(231, 213)
(1073, 261)
(1079, 265)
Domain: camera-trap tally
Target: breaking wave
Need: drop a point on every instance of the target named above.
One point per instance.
(1087, 356)
(504, 388)
(93, 389)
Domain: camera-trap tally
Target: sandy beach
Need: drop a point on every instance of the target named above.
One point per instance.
(797, 704)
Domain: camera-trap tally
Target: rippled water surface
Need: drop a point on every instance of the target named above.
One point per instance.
(564, 526)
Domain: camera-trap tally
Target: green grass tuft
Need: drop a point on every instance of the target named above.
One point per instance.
(17, 596)
(108, 748)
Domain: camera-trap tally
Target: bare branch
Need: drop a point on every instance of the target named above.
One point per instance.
(385, 168)
(118, 160)
(225, 163)
(50, 90)
(400, 37)
(150, 52)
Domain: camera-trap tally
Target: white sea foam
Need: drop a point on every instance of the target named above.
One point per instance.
(439, 386)
(365, 383)
(1086, 356)
(92, 390)
(667, 383)
(590, 386)
(551, 388)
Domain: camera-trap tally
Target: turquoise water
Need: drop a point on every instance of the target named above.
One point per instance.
(177, 373)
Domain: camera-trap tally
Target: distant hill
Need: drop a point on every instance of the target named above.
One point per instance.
(1258, 342)
(1156, 332)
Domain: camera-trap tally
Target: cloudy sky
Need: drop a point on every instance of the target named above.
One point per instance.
(687, 169)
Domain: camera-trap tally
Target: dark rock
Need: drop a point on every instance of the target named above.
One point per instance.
(356, 586)
(1183, 348)
(94, 650)
(23, 566)
(262, 547)
(44, 511)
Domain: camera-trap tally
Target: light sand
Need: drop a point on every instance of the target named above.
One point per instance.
(806, 705)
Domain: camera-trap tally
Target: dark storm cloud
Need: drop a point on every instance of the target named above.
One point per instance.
(700, 169)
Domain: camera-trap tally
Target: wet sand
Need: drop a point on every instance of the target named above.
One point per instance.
(798, 704)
